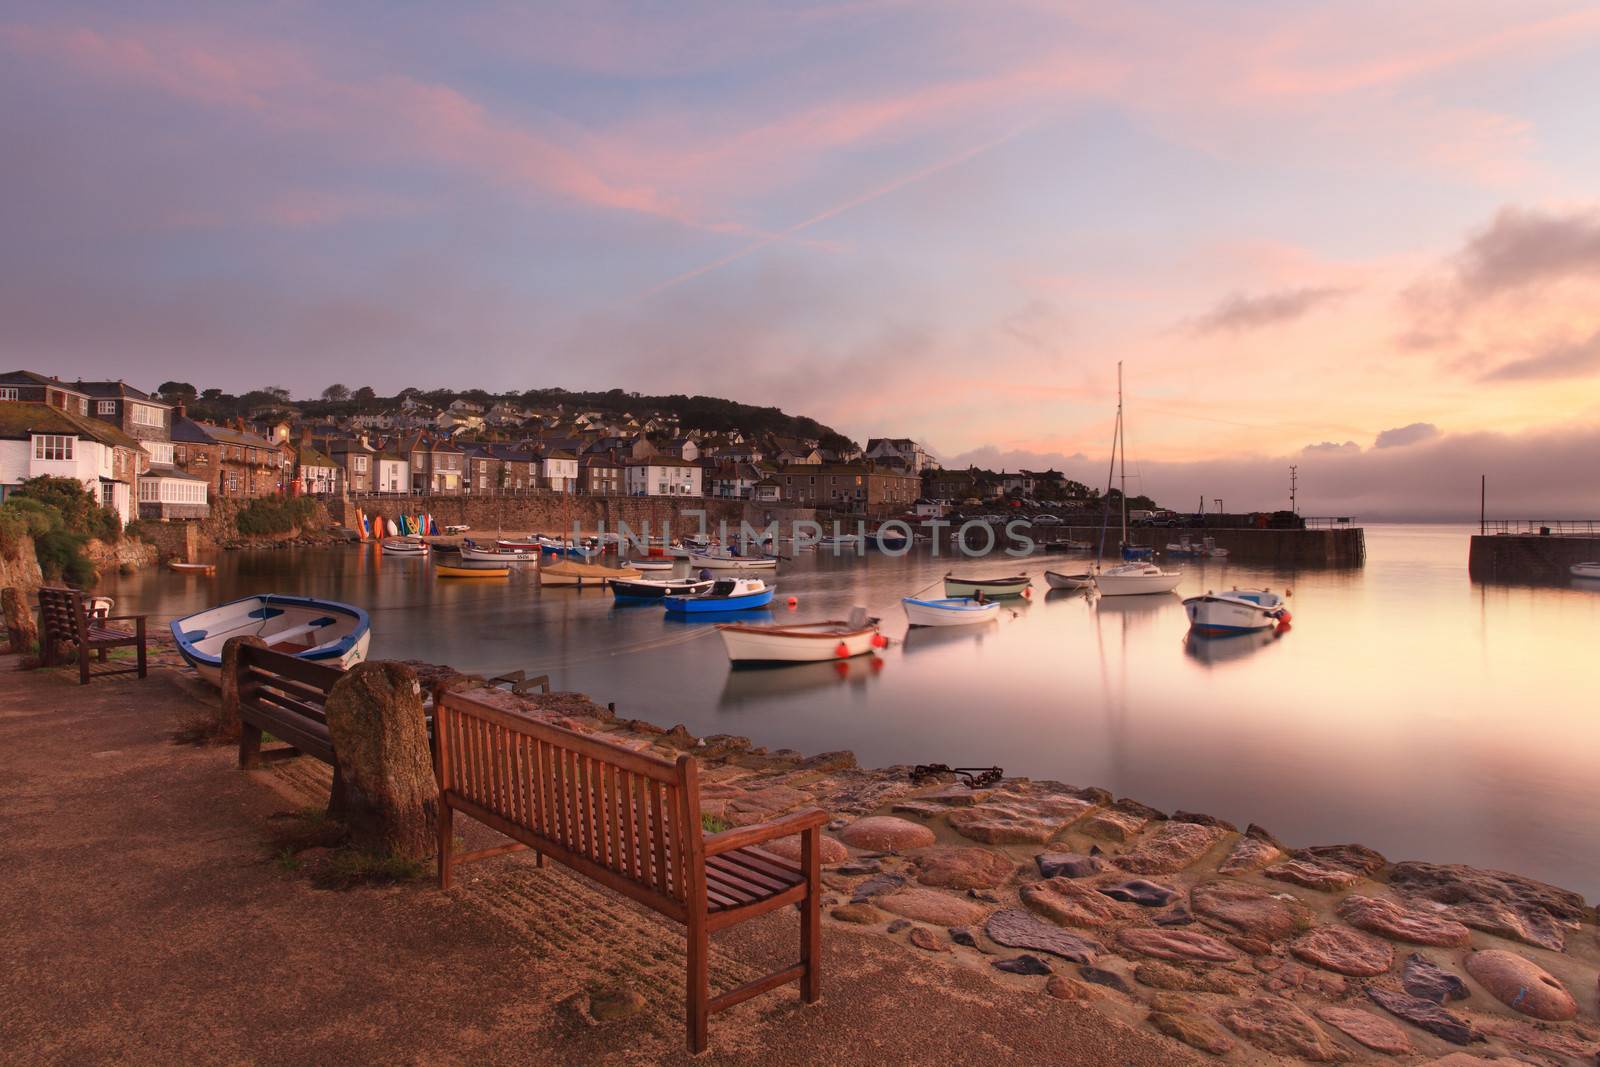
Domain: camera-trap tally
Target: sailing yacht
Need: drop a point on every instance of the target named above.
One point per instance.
(1139, 577)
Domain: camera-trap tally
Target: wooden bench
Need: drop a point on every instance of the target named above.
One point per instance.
(65, 618)
(630, 821)
(286, 697)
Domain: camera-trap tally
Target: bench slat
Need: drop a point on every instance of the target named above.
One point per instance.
(318, 676)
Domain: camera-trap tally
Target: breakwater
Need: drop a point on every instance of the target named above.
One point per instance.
(1527, 557)
(1343, 546)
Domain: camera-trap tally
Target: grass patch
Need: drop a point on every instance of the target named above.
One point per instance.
(294, 832)
(348, 868)
(714, 824)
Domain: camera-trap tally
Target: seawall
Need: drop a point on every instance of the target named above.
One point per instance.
(1343, 546)
(558, 513)
(1527, 557)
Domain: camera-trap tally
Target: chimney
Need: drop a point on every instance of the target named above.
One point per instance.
(238, 423)
(183, 412)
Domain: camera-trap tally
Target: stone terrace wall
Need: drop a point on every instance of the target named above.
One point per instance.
(1510, 558)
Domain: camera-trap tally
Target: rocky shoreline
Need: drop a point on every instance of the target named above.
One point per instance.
(1231, 942)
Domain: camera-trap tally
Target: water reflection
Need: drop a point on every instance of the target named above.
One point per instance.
(930, 638)
(1226, 647)
(753, 685)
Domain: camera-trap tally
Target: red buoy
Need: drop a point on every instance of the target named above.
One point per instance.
(879, 641)
(794, 601)
(1027, 594)
(841, 650)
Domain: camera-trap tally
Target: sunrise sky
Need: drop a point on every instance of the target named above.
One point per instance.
(1360, 237)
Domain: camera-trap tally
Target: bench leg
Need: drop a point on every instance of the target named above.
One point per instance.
(811, 916)
(699, 981)
(249, 746)
(446, 841)
(83, 665)
(143, 659)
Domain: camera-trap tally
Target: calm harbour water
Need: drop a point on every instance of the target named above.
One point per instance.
(1408, 708)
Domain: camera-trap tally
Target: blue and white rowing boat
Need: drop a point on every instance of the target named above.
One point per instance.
(949, 611)
(322, 631)
(725, 594)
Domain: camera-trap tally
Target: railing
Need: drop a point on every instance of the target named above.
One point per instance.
(1541, 527)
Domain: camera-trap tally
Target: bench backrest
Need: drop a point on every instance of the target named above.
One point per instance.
(287, 696)
(627, 819)
(62, 613)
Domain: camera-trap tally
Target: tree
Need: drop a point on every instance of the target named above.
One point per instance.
(336, 393)
(211, 394)
(364, 395)
(177, 391)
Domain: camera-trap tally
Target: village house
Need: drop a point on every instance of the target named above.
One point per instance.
(602, 474)
(558, 470)
(734, 481)
(682, 447)
(916, 458)
(234, 462)
(30, 387)
(663, 476)
(437, 464)
(37, 439)
(864, 488)
(356, 460)
(393, 473)
(316, 473)
(482, 470)
(133, 411)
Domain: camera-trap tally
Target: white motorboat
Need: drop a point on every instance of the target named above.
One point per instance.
(837, 541)
(1080, 580)
(949, 611)
(1235, 611)
(1012, 585)
(1585, 570)
(1135, 579)
(320, 631)
(471, 551)
(727, 561)
(802, 642)
(405, 546)
(1206, 548)
(650, 564)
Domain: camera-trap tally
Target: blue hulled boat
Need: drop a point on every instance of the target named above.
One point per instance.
(725, 594)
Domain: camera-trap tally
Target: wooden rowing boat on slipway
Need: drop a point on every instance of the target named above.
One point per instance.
(320, 631)
(206, 569)
(802, 643)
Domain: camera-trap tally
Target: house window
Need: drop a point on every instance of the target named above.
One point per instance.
(108, 494)
(143, 414)
(106, 407)
(53, 447)
(83, 405)
(8, 392)
(361, 465)
(160, 451)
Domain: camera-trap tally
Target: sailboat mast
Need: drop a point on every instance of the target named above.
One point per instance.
(1123, 437)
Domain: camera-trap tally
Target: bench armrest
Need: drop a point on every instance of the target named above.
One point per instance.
(783, 826)
(120, 618)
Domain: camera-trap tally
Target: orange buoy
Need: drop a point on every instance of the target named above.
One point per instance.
(1027, 594)
(794, 601)
(841, 650)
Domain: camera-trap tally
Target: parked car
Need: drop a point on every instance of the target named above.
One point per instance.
(1047, 520)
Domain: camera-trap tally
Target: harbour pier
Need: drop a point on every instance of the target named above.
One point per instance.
(1532, 550)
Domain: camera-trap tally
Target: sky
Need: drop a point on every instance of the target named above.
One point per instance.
(1362, 238)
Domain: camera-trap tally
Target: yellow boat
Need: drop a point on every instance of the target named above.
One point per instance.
(445, 571)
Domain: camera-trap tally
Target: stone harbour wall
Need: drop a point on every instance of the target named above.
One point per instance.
(1528, 558)
(559, 513)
